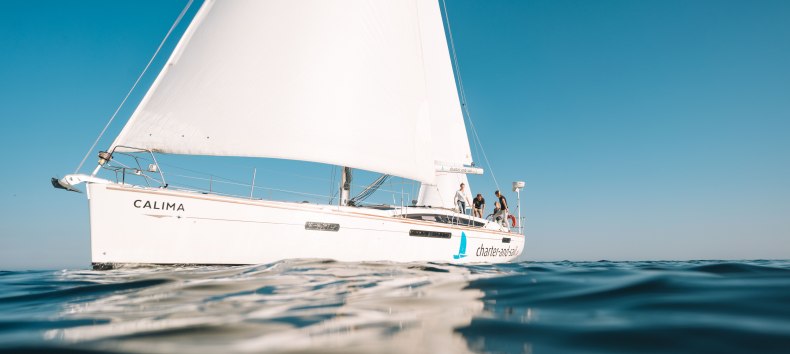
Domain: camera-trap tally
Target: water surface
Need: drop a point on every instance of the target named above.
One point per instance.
(326, 306)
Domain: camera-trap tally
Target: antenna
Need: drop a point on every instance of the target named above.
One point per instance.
(517, 187)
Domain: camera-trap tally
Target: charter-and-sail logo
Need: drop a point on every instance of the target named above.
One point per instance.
(462, 248)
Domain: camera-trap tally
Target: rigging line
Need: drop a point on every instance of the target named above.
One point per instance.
(170, 167)
(269, 172)
(485, 157)
(180, 16)
(369, 190)
(332, 184)
(229, 182)
(463, 93)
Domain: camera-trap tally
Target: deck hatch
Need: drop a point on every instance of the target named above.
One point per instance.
(321, 226)
(424, 233)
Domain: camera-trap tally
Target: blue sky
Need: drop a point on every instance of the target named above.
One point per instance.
(644, 129)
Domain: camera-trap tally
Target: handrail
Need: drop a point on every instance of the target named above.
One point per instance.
(122, 169)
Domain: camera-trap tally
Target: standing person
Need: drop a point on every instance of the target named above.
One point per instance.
(503, 210)
(479, 204)
(461, 200)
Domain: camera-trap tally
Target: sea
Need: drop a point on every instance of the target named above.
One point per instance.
(323, 306)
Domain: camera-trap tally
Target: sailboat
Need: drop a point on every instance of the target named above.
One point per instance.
(360, 84)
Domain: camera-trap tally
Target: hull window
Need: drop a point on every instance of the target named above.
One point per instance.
(321, 226)
(423, 233)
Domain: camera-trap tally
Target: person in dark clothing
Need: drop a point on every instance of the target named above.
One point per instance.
(503, 210)
(479, 204)
(502, 201)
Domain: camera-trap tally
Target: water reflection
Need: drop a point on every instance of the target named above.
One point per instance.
(310, 306)
(286, 306)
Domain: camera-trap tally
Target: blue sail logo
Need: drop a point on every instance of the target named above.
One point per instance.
(462, 248)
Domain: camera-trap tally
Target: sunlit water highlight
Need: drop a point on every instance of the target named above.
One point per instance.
(314, 305)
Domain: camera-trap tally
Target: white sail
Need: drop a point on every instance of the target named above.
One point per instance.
(356, 83)
(448, 133)
(441, 194)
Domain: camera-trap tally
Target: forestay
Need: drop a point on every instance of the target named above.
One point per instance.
(354, 83)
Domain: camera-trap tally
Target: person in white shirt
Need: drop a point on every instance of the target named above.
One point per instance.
(461, 200)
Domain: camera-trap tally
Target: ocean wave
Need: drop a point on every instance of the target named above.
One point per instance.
(322, 305)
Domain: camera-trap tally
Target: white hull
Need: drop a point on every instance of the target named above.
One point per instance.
(160, 226)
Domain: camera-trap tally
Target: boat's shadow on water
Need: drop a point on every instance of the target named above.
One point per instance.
(317, 305)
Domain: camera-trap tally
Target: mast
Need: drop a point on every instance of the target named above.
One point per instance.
(345, 186)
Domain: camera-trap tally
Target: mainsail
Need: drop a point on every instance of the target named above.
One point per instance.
(358, 83)
(448, 133)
